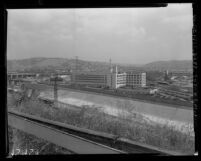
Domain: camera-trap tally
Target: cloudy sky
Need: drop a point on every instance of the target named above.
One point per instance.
(126, 35)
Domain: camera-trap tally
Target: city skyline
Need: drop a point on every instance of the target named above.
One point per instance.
(127, 35)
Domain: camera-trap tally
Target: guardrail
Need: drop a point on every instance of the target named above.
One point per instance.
(114, 143)
(57, 135)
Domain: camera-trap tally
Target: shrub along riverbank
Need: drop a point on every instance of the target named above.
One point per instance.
(156, 135)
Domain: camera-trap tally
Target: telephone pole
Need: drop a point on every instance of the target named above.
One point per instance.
(76, 64)
(55, 91)
(76, 69)
(111, 71)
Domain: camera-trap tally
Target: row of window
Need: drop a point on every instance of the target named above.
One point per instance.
(134, 82)
(134, 78)
(121, 79)
(123, 83)
(90, 77)
(121, 76)
(87, 81)
(104, 81)
(86, 77)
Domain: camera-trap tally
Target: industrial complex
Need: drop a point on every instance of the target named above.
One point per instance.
(175, 87)
(112, 79)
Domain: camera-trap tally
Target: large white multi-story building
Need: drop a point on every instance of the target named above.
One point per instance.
(112, 79)
(136, 79)
(116, 79)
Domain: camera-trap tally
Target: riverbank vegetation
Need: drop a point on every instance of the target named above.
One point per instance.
(91, 118)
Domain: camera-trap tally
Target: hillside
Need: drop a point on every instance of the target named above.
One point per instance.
(170, 65)
(49, 64)
(37, 64)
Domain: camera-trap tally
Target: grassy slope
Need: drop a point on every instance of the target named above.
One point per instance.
(159, 136)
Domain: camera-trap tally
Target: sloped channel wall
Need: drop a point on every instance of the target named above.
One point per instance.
(95, 100)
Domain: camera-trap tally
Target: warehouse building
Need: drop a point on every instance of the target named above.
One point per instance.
(112, 79)
(88, 78)
(188, 73)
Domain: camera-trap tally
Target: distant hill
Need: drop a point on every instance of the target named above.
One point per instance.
(35, 64)
(45, 64)
(170, 65)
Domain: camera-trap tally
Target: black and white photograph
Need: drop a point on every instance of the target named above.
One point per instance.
(100, 81)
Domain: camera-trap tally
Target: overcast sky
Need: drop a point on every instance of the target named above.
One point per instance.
(126, 35)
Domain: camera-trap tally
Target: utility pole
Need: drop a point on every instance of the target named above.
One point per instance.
(111, 71)
(76, 70)
(76, 64)
(55, 91)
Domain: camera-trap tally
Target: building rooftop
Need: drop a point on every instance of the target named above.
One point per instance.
(96, 72)
(135, 72)
(19, 73)
(93, 72)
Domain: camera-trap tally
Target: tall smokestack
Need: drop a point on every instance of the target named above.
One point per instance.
(115, 69)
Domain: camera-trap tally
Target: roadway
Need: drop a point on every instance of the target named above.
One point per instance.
(80, 140)
(74, 143)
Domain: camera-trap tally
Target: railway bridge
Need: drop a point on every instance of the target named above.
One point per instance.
(16, 75)
(15, 78)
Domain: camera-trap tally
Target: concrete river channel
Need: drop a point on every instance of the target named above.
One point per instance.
(179, 118)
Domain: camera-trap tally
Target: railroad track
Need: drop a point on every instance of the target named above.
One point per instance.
(80, 140)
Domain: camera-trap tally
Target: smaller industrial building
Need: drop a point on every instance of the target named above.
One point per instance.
(112, 79)
(188, 73)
